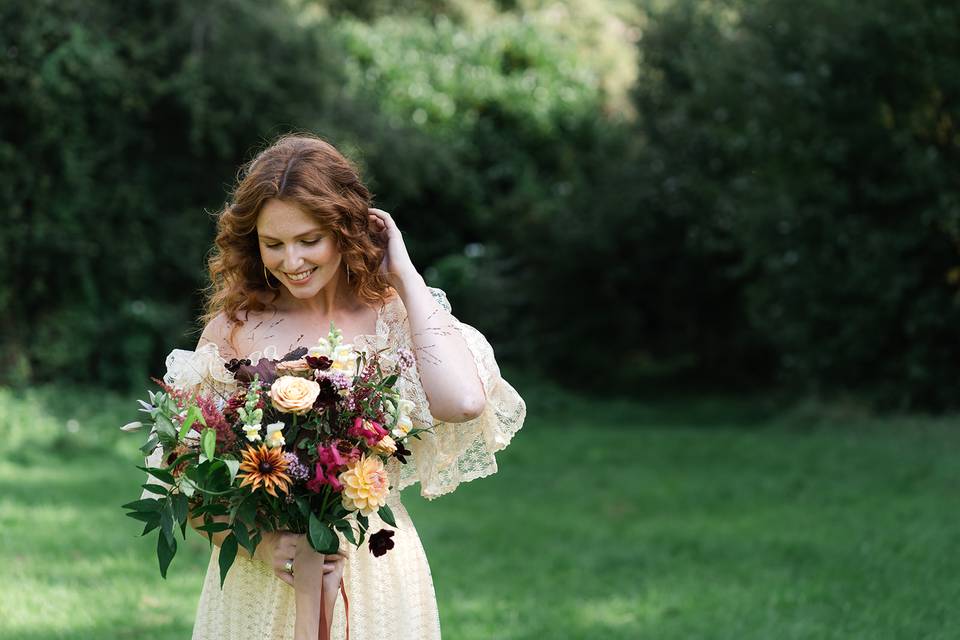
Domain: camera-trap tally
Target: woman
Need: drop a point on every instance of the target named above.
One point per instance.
(299, 247)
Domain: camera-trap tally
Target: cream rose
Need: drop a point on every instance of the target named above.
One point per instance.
(291, 394)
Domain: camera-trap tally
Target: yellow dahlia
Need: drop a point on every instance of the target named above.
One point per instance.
(365, 485)
(265, 467)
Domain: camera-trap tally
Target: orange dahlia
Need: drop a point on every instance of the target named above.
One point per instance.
(265, 467)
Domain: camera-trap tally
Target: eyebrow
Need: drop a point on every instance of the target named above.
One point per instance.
(318, 230)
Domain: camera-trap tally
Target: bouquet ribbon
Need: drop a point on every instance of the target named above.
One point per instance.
(325, 624)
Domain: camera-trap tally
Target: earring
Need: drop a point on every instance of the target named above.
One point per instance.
(348, 274)
(266, 276)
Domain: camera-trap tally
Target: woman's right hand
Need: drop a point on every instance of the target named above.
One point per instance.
(276, 549)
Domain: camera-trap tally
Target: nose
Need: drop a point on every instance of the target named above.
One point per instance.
(292, 260)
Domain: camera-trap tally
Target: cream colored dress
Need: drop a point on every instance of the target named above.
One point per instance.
(390, 597)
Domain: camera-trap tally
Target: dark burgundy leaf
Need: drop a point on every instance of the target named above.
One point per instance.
(266, 369)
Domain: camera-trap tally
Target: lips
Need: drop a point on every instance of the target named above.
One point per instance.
(300, 277)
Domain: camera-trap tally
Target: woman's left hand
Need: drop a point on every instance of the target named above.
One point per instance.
(396, 263)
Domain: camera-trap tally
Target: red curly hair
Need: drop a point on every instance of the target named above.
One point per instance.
(307, 171)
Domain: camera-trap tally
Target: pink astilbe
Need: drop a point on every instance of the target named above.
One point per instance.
(181, 397)
(208, 408)
(226, 438)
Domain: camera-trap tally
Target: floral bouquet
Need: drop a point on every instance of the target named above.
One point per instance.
(296, 444)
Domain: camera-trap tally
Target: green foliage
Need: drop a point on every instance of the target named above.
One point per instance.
(120, 125)
(783, 208)
(811, 152)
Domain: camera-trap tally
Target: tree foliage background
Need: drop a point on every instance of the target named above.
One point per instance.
(687, 192)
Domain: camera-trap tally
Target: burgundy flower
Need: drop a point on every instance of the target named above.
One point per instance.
(369, 430)
(329, 463)
(322, 477)
(328, 394)
(319, 362)
(234, 402)
(401, 452)
(235, 364)
(329, 456)
(380, 542)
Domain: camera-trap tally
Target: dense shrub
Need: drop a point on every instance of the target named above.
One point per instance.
(783, 207)
(120, 124)
(817, 142)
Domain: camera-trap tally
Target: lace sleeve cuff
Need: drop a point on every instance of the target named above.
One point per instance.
(459, 452)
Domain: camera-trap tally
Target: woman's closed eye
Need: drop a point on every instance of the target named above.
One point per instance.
(278, 244)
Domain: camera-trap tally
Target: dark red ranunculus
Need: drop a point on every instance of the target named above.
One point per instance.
(319, 362)
(381, 542)
(401, 452)
(235, 364)
(328, 395)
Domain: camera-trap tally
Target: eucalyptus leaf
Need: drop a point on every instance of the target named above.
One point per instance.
(248, 509)
(322, 538)
(150, 444)
(166, 549)
(303, 505)
(187, 486)
(147, 504)
(228, 552)
(213, 509)
(233, 466)
(243, 537)
(193, 415)
(150, 517)
(160, 474)
(167, 522)
(208, 442)
(346, 529)
(387, 516)
(156, 488)
(180, 507)
(165, 429)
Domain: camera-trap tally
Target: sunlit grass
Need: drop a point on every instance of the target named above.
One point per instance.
(682, 519)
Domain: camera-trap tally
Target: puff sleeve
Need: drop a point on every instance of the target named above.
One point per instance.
(453, 453)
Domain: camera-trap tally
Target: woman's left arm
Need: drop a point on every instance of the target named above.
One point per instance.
(447, 369)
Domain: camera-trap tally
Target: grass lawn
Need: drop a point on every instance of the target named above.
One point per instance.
(706, 518)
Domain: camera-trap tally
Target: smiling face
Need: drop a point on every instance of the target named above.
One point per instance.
(295, 249)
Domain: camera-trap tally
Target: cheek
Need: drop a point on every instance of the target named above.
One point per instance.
(327, 255)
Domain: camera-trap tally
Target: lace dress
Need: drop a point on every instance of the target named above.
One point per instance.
(391, 596)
